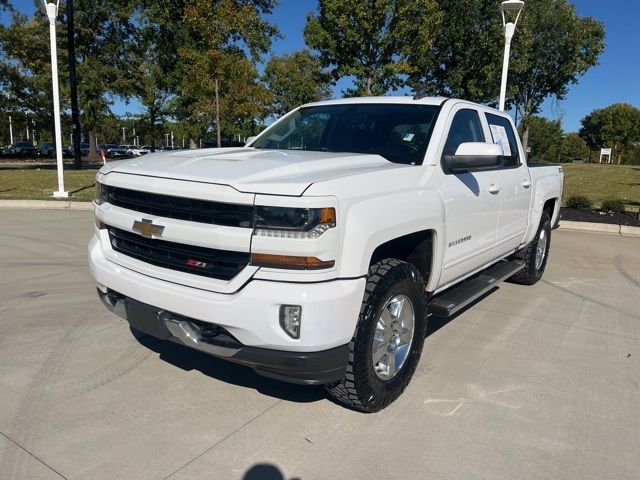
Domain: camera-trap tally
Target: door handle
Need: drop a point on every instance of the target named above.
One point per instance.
(526, 183)
(494, 189)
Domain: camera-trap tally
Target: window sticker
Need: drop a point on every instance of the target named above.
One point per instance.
(499, 134)
(408, 137)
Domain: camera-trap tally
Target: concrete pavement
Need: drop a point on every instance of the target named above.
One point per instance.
(531, 382)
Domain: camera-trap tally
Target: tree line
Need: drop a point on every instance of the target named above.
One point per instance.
(206, 66)
(616, 127)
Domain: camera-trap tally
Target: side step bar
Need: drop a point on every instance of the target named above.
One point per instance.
(459, 296)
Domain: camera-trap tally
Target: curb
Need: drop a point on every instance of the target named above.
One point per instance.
(600, 228)
(46, 204)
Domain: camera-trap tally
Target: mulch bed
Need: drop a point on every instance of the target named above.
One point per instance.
(629, 219)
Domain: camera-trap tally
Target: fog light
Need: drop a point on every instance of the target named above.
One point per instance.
(290, 319)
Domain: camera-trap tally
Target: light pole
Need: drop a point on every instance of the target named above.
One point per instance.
(52, 13)
(10, 130)
(513, 7)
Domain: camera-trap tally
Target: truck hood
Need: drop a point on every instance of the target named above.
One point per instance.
(275, 172)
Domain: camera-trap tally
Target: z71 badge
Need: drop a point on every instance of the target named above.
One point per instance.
(196, 263)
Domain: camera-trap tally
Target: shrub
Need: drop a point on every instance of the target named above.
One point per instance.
(579, 202)
(612, 205)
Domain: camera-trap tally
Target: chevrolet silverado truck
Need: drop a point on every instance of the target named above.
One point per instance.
(316, 253)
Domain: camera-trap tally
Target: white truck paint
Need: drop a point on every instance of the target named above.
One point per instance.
(470, 219)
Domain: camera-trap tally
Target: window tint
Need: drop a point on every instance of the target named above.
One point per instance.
(398, 132)
(502, 133)
(464, 128)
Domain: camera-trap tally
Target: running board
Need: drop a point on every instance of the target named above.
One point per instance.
(459, 296)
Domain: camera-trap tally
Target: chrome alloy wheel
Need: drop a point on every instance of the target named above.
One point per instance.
(393, 336)
(541, 248)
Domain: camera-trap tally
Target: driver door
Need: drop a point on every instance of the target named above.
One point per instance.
(472, 204)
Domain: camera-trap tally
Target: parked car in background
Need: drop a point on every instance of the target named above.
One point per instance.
(112, 150)
(135, 151)
(70, 151)
(169, 148)
(21, 149)
(47, 150)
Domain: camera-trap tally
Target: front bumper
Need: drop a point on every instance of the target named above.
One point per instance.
(308, 368)
(251, 316)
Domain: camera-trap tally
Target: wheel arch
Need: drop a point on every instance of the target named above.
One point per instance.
(416, 248)
(551, 208)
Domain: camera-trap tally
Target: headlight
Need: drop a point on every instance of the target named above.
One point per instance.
(288, 222)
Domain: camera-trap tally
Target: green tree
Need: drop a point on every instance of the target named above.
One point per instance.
(572, 147)
(632, 155)
(543, 135)
(214, 43)
(157, 60)
(25, 68)
(553, 46)
(371, 40)
(293, 80)
(462, 61)
(105, 38)
(616, 127)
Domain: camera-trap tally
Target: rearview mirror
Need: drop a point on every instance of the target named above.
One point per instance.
(473, 157)
(250, 139)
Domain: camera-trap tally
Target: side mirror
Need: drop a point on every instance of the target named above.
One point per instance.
(250, 140)
(473, 157)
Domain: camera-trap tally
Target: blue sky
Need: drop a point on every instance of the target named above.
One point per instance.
(616, 79)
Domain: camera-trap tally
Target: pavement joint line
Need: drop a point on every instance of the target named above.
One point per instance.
(201, 454)
(561, 324)
(34, 456)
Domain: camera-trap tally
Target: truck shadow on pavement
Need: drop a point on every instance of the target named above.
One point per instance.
(188, 359)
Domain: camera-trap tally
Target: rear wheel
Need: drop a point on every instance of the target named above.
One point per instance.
(386, 347)
(535, 255)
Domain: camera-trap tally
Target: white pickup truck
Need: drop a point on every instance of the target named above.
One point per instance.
(316, 253)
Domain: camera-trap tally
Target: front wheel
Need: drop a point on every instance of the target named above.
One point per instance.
(535, 255)
(388, 341)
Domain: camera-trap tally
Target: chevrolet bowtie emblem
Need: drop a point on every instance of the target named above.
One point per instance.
(146, 228)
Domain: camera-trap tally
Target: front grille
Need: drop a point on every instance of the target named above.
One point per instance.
(207, 262)
(190, 209)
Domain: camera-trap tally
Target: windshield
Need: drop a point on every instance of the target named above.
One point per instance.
(398, 132)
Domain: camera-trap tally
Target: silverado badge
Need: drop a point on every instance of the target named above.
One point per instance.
(146, 228)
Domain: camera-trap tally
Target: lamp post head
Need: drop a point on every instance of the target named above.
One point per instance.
(52, 8)
(514, 7)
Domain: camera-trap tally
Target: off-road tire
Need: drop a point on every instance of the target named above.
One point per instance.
(361, 388)
(530, 275)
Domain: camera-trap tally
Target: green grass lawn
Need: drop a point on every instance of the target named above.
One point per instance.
(597, 182)
(40, 184)
(601, 182)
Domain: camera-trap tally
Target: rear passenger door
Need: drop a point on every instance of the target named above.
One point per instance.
(471, 207)
(514, 182)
